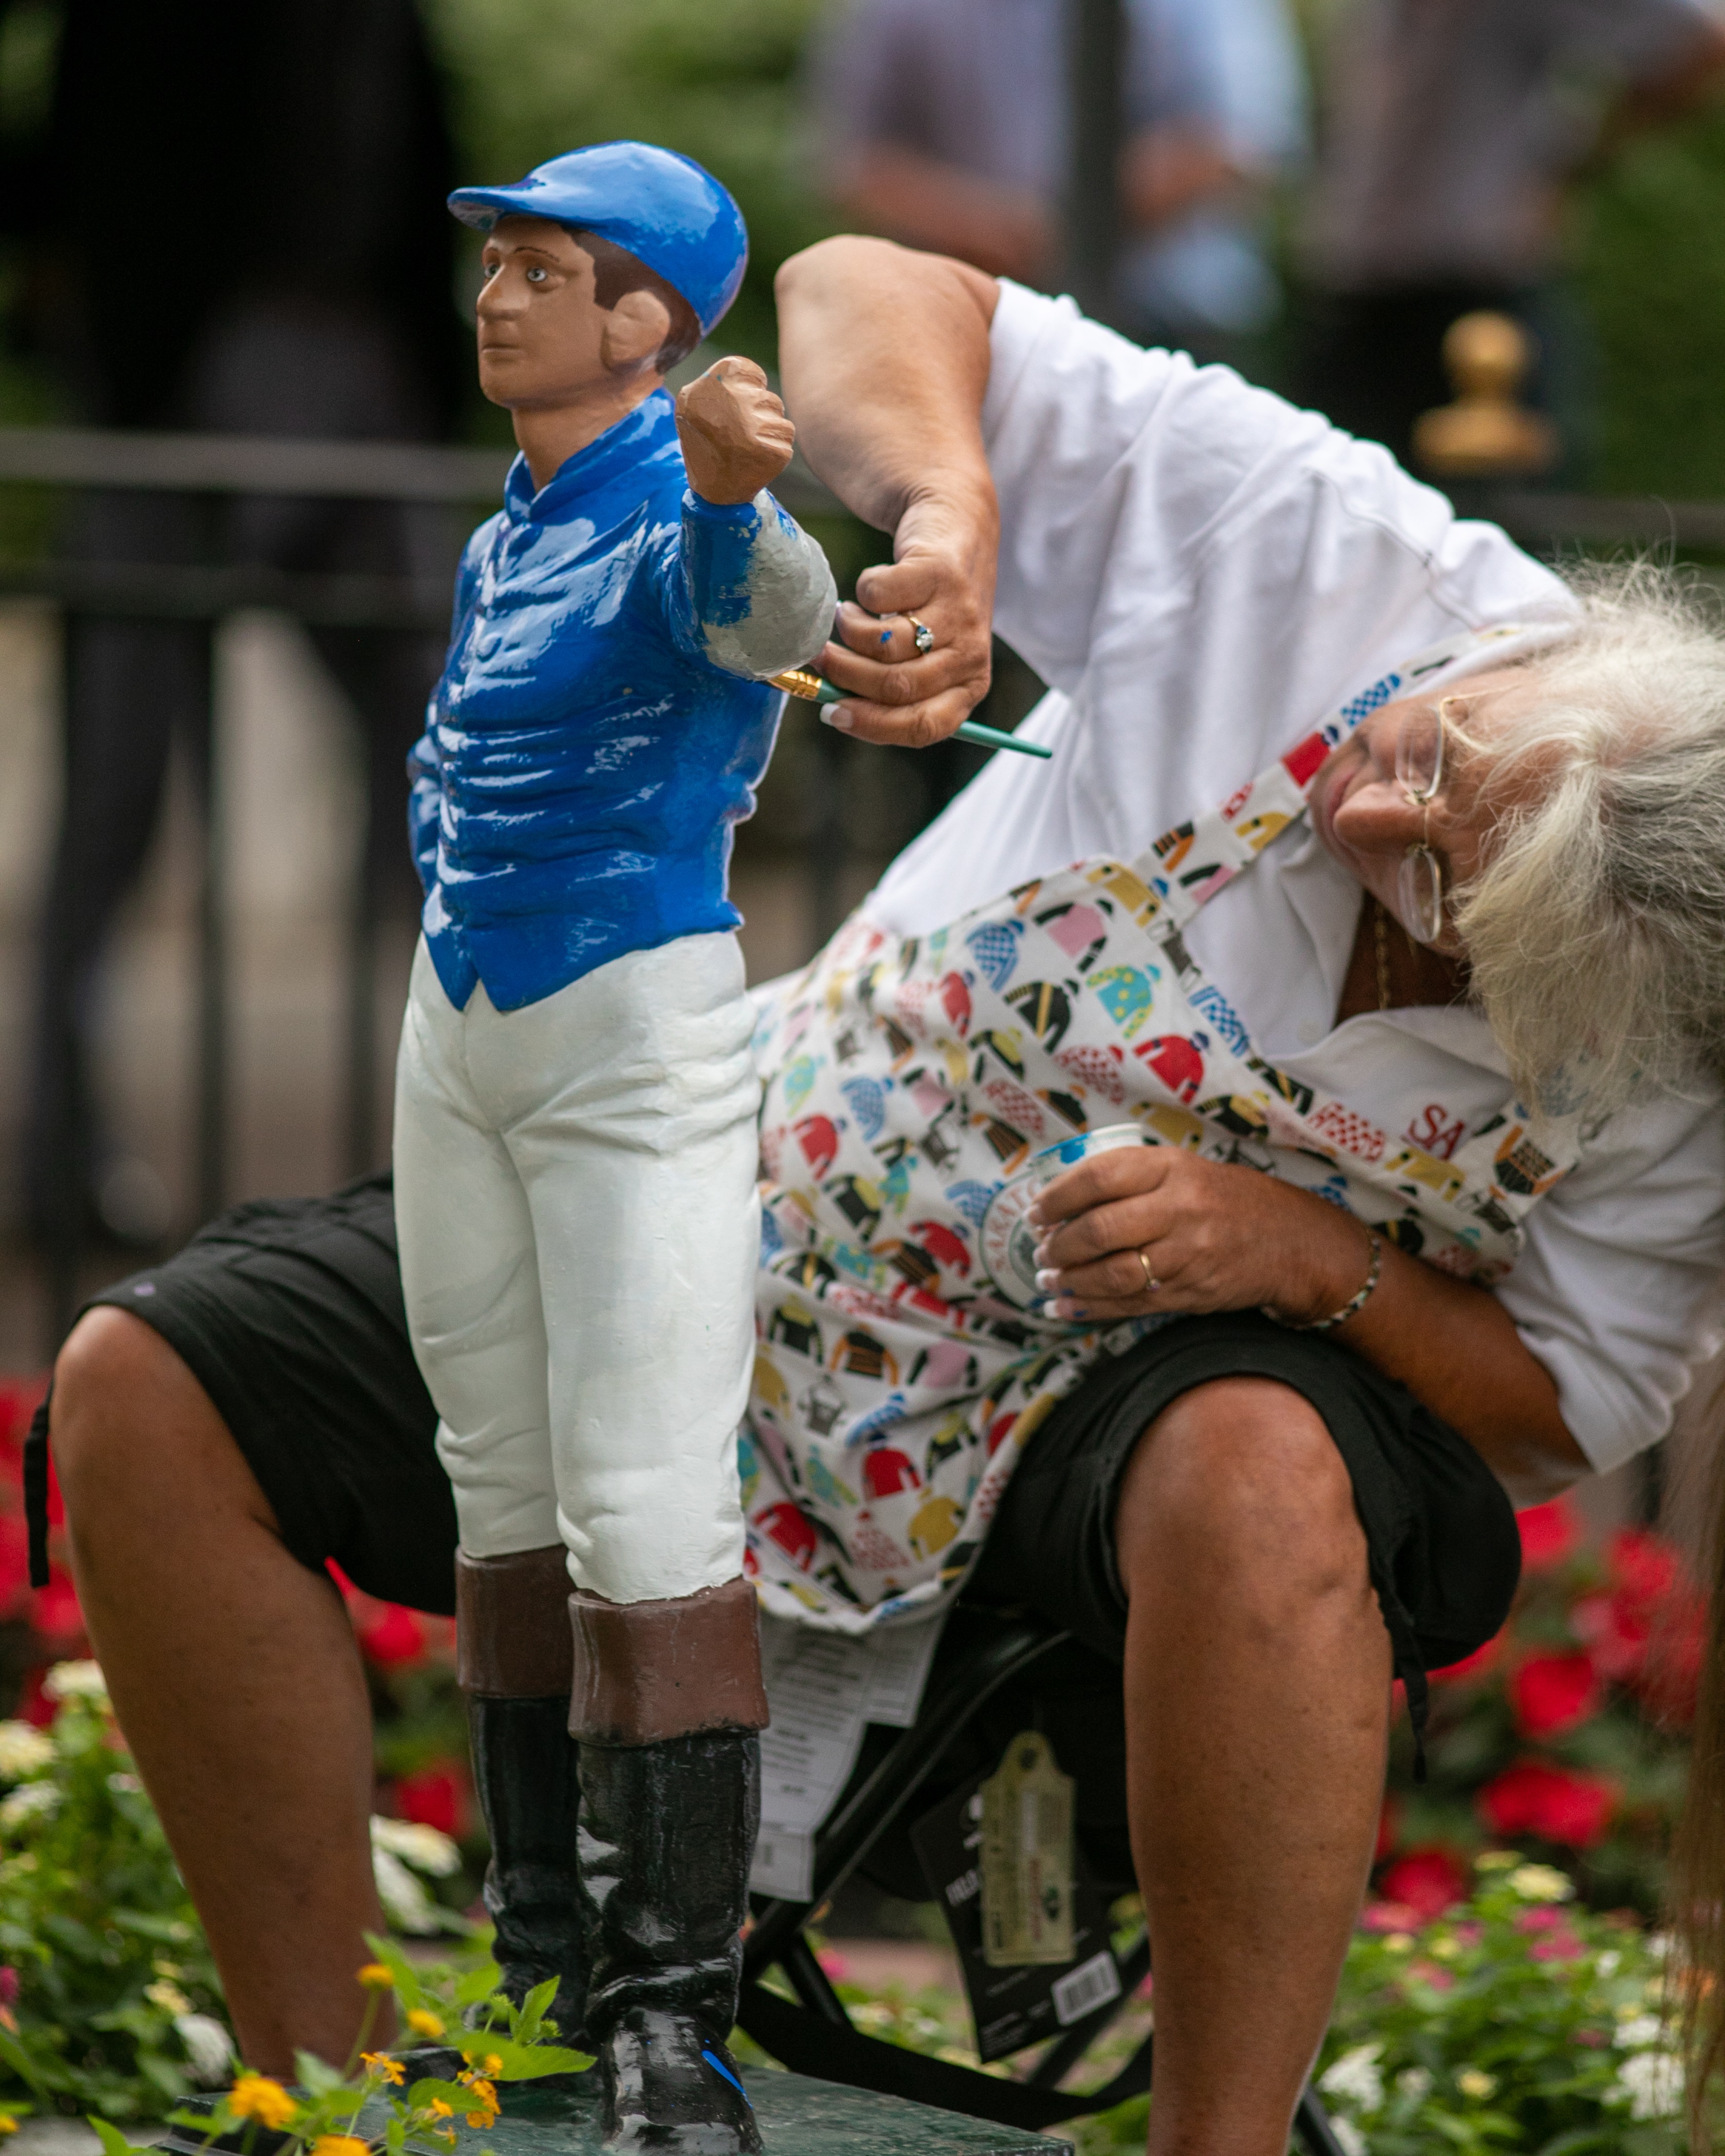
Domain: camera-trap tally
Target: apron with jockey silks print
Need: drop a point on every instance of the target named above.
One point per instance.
(896, 1383)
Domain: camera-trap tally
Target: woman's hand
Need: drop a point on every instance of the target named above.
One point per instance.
(1212, 1237)
(943, 577)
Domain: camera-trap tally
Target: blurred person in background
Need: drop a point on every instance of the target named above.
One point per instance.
(233, 223)
(1452, 132)
(946, 124)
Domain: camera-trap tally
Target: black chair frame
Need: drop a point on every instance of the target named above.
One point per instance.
(815, 2034)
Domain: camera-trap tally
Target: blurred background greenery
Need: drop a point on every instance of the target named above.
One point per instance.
(718, 79)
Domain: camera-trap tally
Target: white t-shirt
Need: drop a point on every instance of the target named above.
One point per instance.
(1202, 573)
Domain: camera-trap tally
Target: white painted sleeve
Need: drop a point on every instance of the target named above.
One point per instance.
(1620, 1290)
(789, 600)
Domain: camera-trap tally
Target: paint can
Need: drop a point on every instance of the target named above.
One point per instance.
(1008, 1247)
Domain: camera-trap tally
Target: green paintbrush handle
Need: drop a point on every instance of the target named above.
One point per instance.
(812, 689)
(992, 737)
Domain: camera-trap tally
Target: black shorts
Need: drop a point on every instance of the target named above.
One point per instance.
(288, 1312)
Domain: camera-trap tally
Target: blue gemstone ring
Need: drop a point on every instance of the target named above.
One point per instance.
(924, 635)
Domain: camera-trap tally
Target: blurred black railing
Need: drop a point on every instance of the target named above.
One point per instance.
(469, 479)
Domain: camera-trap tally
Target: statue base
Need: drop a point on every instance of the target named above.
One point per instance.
(799, 2116)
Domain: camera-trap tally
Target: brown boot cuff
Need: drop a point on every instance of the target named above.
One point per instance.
(648, 1670)
(512, 1631)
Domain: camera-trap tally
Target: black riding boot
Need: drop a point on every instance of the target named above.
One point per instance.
(515, 1666)
(669, 1815)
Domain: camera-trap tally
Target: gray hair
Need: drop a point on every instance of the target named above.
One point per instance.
(1596, 929)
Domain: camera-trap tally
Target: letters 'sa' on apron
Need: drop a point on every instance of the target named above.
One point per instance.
(895, 1388)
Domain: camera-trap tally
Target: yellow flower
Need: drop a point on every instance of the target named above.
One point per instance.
(376, 1977)
(1472, 2081)
(423, 2022)
(439, 2109)
(340, 2144)
(8, 2124)
(255, 2095)
(1398, 1942)
(482, 2092)
(380, 2062)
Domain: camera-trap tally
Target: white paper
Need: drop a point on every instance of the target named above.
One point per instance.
(823, 1686)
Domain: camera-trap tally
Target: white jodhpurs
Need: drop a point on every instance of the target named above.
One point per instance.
(576, 1202)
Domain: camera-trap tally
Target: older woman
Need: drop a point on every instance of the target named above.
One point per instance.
(1394, 925)
(1396, 878)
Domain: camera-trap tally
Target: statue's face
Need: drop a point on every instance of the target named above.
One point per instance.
(544, 340)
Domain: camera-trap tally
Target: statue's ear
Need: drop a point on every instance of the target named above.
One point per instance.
(634, 330)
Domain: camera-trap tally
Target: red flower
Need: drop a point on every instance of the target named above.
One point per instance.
(1552, 1692)
(393, 1635)
(1549, 1534)
(436, 1796)
(1389, 1916)
(54, 1609)
(8, 1985)
(1389, 1825)
(1428, 1880)
(1534, 1797)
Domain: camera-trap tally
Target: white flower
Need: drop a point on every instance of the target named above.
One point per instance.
(1541, 1882)
(1353, 2142)
(23, 1750)
(1474, 2081)
(406, 1903)
(210, 2049)
(32, 1801)
(167, 1995)
(1609, 1963)
(124, 1786)
(1355, 2079)
(1651, 2083)
(76, 1680)
(422, 1846)
(1415, 2082)
(1638, 2031)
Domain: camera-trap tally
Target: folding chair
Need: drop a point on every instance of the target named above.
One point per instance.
(815, 2036)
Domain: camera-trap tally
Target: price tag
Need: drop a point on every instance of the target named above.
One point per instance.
(1027, 1858)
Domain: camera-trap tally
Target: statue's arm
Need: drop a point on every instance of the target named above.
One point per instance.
(758, 589)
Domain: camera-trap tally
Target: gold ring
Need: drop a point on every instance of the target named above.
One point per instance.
(1151, 1282)
(922, 636)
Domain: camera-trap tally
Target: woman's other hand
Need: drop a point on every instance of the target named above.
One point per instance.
(1210, 1236)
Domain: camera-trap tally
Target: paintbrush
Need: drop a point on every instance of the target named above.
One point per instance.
(813, 690)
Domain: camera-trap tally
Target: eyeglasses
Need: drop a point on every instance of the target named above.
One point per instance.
(1420, 774)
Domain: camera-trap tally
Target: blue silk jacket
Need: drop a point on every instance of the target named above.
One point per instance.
(584, 759)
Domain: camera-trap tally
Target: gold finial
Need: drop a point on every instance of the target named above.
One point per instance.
(1484, 433)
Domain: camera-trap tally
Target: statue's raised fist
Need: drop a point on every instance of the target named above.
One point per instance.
(735, 434)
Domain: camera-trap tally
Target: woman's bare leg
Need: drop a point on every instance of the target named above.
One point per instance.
(235, 1675)
(1257, 1684)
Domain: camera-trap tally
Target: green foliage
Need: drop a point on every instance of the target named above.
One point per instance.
(369, 2108)
(117, 1995)
(534, 77)
(1652, 273)
(1514, 2022)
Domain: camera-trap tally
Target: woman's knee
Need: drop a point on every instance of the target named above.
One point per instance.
(126, 1405)
(1242, 1477)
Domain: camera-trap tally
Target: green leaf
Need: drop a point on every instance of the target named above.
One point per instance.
(422, 2092)
(317, 2076)
(114, 2142)
(39, 2077)
(479, 1983)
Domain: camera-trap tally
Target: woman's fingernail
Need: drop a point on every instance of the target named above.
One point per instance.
(1065, 1307)
(1034, 1214)
(837, 717)
(1048, 1277)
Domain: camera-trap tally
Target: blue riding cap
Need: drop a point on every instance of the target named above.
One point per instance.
(665, 209)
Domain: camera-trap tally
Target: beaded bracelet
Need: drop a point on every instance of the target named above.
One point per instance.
(1353, 1306)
